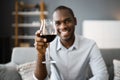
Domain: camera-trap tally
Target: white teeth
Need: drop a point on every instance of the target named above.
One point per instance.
(64, 32)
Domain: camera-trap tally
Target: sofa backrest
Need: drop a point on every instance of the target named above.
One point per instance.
(22, 55)
(108, 56)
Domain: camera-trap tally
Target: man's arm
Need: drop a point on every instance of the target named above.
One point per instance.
(97, 65)
(40, 71)
(40, 45)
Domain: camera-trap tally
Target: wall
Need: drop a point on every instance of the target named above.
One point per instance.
(5, 17)
(106, 33)
(85, 9)
(5, 30)
(91, 9)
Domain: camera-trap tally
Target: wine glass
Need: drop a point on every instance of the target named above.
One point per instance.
(48, 31)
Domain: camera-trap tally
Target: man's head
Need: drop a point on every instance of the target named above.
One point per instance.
(64, 7)
(65, 22)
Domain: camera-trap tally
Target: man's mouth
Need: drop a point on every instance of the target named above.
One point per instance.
(64, 33)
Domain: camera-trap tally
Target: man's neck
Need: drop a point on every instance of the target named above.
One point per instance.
(68, 43)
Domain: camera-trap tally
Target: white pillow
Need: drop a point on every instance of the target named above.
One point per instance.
(116, 64)
(26, 70)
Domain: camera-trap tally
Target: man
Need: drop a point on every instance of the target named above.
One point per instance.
(73, 53)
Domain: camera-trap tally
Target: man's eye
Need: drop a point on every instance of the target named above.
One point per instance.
(68, 21)
(57, 23)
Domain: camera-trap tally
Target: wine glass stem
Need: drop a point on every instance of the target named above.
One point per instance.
(49, 53)
(49, 61)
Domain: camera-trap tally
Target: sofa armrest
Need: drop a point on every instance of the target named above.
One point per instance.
(9, 66)
(9, 72)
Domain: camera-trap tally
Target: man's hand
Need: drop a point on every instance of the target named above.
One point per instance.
(40, 43)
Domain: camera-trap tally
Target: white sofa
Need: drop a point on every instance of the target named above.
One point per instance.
(20, 55)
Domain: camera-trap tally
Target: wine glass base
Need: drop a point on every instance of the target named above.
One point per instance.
(51, 62)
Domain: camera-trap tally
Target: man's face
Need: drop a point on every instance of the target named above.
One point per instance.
(65, 24)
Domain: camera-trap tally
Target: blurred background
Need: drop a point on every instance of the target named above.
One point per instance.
(9, 19)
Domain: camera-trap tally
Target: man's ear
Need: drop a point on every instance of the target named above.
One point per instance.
(75, 20)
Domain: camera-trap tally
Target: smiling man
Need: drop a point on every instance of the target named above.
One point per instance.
(73, 53)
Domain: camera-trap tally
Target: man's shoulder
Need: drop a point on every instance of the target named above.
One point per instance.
(83, 39)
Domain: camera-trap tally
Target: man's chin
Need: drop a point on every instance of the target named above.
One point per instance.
(65, 38)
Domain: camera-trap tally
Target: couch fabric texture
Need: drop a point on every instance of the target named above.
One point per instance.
(24, 55)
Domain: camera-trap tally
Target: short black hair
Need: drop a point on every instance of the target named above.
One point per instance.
(64, 7)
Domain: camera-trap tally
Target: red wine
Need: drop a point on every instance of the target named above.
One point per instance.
(48, 37)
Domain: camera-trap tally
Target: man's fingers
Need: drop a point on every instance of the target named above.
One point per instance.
(37, 33)
(41, 45)
(39, 39)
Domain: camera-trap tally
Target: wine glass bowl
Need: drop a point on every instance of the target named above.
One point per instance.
(48, 30)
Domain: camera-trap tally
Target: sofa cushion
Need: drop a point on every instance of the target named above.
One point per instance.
(21, 55)
(116, 69)
(26, 70)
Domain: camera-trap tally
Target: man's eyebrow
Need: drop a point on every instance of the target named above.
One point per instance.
(67, 18)
(56, 21)
(63, 20)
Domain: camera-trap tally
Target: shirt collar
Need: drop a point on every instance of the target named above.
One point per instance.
(76, 43)
(74, 46)
(59, 45)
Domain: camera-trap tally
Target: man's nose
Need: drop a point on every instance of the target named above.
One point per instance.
(63, 25)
